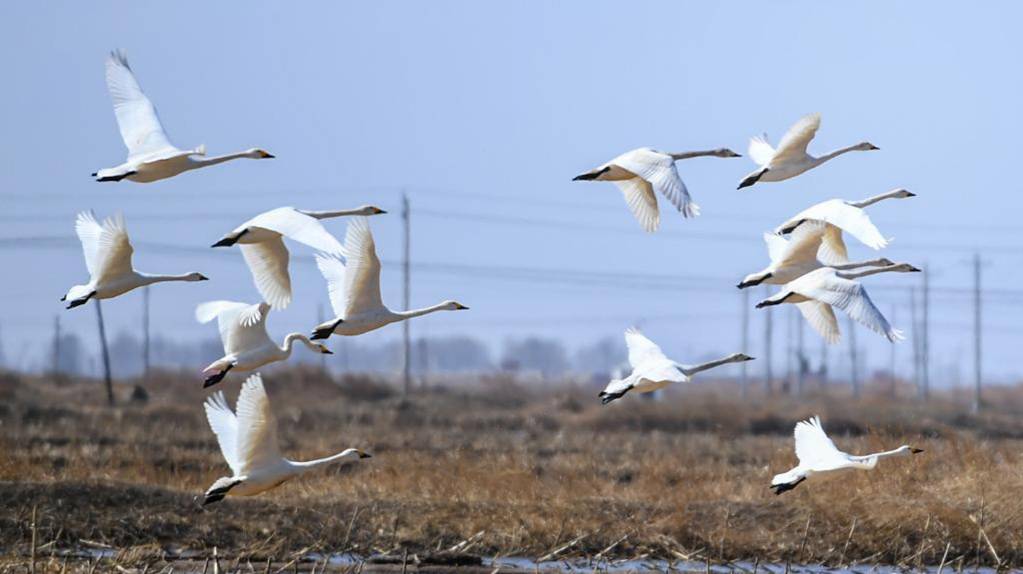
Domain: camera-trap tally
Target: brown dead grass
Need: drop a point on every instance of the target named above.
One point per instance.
(531, 469)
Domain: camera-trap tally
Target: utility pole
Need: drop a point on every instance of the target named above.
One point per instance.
(789, 350)
(56, 345)
(824, 363)
(853, 366)
(917, 338)
(768, 328)
(406, 333)
(744, 346)
(893, 380)
(976, 333)
(145, 331)
(106, 354)
(925, 354)
(801, 361)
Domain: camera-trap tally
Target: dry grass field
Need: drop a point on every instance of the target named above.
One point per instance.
(516, 471)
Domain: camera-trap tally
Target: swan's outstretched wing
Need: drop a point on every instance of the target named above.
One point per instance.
(641, 349)
(760, 151)
(848, 218)
(793, 144)
(332, 267)
(639, 196)
(658, 169)
(136, 117)
(257, 430)
(803, 243)
(826, 286)
(362, 270)
(242, 326)
(107, 248)
(822, 319)
(832, 250)
(813, 447)
(225, 427)
(268, 262)
(296, 225)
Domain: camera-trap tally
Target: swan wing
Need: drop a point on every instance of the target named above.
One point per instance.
(333, 270)
(242, 326)
(268, 262)
(362, 270)
(832, 250)
(659, 170)
(641, 349)
(225, 427)
(257, 430)
(776, 247)
(106, 247)
(298, 226)
(803, 243)
(821, 318)
(760, 151)
(826, 286)
(639, 196)
(140, 127)
(793, 144)
(660, 372)
(813, 447)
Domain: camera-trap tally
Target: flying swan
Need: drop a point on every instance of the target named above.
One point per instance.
(848, 216)
(108, 259)
(651, 370)
(354, 288)
(261, 242)
(246, 343)
(818, 455)
(797, 256)
(791, 159)
(642, 172)
(248, 441)
(817, 291)
(151, 155)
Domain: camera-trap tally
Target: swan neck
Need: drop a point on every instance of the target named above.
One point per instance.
(872, 200)
(342, 456)
(834, 154)
(149, 279)
(206, 161)
(289, 342)
(866, 272)
(420, 312)
(689, 154)
(690, 370)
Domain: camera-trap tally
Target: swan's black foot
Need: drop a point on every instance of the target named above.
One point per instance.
(115, 177)
(216, 377)
(608, 397)
(752, 179)
(324, 332)
(591, 175)
(780, 488)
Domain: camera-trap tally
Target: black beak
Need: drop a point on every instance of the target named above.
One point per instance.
(268, 156)
(916, 450)
(380, 212)
(460, 307)
(365, 455)
(913, 269)
(910, 194)
(203, 277)
(327, 352)
(873, 147)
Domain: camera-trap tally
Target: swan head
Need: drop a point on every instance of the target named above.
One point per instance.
(370, 210)
(724, 152)
(453, 306)
(901, 193)
(322, 349)
(906, 449)
(355, 451)
(196, 277)
(740, 357)
(865, 146)
(903, 268)
(257, 153)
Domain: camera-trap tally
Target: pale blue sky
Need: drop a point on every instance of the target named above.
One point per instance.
(483, 112)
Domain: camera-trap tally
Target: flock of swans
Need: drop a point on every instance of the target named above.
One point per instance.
(811, 266)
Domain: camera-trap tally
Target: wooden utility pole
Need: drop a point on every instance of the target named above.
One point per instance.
(917, 339)
(145, 331)
(406, 332)
(824, 363)
(893, 380)
(744, 345)
(768, 332)
(925, 350)
(976, 334)
(854, 370)
(56, 345)
(106, 354)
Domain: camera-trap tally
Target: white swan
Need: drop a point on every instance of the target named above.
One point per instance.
(818, 455)
(248, 441)
(817, 291)
(151, 155)
(652, 370)
(848, 216)
(642, 172)
(791, 159)
(261, 242)
(247, 346)
(108, 258)
(354, 288)
(797, 256)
